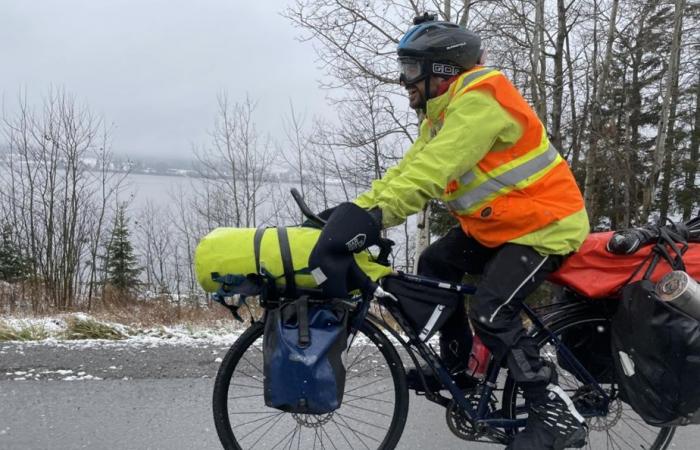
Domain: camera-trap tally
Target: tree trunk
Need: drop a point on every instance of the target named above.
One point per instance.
(665, 200)
(539, 65)
(422, 234)
(558, 90)
(464, 20)
(660, 149)
(691, 169)
(596, 115)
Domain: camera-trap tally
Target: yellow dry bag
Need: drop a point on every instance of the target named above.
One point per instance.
(227, 251)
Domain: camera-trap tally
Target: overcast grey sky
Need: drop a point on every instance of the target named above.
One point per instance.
(153, 68)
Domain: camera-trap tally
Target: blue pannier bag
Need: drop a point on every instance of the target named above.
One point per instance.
(303, 345)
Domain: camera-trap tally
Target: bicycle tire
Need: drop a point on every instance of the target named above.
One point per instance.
(591, 318)
(238, 352)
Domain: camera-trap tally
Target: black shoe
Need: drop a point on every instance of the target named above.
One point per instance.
(552, 424)
(432, 383)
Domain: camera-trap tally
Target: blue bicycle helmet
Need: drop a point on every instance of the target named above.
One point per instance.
(433, 47)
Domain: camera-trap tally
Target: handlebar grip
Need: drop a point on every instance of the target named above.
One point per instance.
(385, 246)
(305, 208)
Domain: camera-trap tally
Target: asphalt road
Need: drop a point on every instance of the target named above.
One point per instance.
(148, 397)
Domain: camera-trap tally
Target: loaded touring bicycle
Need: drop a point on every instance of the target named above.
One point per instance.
(313, 372)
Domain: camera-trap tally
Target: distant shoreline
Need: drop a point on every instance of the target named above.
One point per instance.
(183, 173)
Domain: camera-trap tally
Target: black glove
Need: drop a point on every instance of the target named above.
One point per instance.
(376, 214)
(349, 230)
(626, 242)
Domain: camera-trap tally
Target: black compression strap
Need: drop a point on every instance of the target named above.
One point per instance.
(303, 320)
(290, 289)
(257, 239)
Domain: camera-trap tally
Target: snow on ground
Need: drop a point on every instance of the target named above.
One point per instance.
(54, 329)
(178, 335)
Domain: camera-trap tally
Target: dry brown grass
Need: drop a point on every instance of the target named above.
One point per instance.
(86, 328)
(115, 306)
(26, 333)
(154, 312)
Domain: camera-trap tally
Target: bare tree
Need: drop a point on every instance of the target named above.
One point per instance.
(234, 167)
(55, 201)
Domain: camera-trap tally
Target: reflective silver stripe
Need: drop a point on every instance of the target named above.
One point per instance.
(509, 178)
(569, 404)
(473, 76)
(431, 322)
(527, 278)
(467, 178)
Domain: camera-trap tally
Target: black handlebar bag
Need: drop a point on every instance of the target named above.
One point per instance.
(656, 352)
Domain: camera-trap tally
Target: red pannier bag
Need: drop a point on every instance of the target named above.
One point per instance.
(596, 273)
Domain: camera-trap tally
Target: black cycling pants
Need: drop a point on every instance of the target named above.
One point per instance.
(510, 273)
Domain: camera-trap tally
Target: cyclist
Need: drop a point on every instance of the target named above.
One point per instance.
(483, 151)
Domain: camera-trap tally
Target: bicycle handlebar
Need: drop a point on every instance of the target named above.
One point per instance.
(385, 244)
(305, 208)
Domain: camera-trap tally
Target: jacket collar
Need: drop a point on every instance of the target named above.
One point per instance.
(436, 105)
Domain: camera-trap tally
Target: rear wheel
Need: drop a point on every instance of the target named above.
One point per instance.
(372, 415)
(621, 428)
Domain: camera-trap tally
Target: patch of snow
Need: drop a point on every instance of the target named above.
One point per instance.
(83, 377)
(82, 316)
(178, 335)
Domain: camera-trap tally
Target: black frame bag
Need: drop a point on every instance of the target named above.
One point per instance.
(427, 308)
(656, 351)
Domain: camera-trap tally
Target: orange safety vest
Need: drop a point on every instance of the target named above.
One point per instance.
(514, 191)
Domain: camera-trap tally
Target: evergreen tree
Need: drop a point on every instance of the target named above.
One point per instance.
(13, 266)
(440, 219)
(121, 264)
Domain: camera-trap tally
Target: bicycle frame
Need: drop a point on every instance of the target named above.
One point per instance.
(480, 418)
(477, 416)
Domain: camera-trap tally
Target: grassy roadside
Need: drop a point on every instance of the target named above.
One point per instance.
(119, 322)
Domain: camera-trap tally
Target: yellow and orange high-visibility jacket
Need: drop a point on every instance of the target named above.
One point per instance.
(483, 151)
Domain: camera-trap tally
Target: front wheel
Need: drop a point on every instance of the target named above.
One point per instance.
(621, 428)
(372, 415)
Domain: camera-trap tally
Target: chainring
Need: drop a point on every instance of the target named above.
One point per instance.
(459, 424)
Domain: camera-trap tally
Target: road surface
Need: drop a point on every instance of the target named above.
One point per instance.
(149, 396)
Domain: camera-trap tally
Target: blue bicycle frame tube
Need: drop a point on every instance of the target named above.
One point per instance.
(564, 352)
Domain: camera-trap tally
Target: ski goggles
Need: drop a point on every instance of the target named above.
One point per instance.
(410, 70)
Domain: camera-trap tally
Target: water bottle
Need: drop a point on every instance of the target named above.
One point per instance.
(681, 291)
(478, 359)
